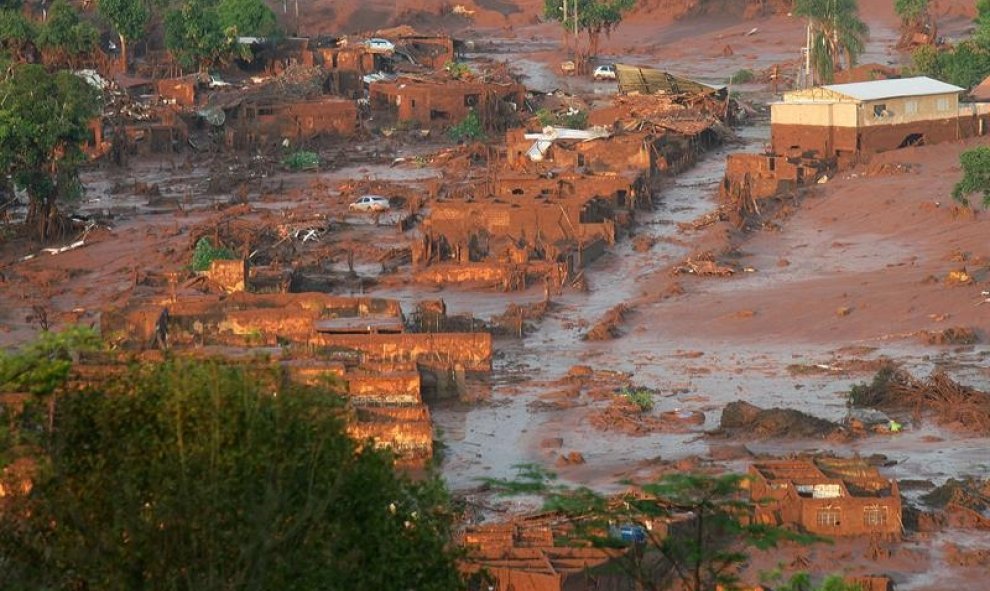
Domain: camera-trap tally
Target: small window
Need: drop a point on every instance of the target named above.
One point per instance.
(471, 100)
(829, 517)
(874, 516)
(911, 107)
(942, 104)
(880, 110)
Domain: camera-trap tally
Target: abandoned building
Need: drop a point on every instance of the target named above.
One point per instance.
(846, 120)
(263, 120)
(440, 103)
(829, 496)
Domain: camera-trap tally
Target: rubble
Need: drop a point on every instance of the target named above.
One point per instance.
(742, 419)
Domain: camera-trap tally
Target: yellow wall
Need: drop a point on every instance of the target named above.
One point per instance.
(818, 114)
(925, 108)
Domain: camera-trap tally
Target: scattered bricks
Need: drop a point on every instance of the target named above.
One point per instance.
(230, 275)
(570, 459)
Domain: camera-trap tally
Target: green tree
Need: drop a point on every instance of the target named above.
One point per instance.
(976, 175)
(65, 36)
(41, 151)
(837, 31)
(912, 12)
(803, 582)
(594, 17)
(17, 32)
(204, 476)
(129, 17)
(197, 38)
(701, 558)
(249, 17)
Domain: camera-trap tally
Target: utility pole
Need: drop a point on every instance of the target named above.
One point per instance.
(807, 56)
(567, 39)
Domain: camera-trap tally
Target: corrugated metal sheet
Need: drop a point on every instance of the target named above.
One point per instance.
(650, 81)
(882, 89)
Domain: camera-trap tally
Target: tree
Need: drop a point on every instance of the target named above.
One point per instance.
(836, 31)
(65, 35)
(595, 17)
(129, 17)
(17, 33)
(249, 17)
(197, 38)
(976, 175)
(43, 121)
(700, 559)
(912, 12)
(203, 476)
(803, 582)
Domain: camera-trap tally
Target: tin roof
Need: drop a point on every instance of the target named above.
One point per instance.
(881, 89)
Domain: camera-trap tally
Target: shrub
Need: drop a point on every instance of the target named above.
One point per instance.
(742, 77)
(457, 70)
(976, 175)
(301, 160)
(571, 120)
(641, 397)
(469, 128)
(205, 253)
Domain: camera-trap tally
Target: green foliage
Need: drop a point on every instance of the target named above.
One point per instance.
(912, 12)
(457, 70)
(742, 77)
(595, 17)
(641, 397)
(470, 128)
(42, 152)
(129, 17)
(65, 32)
(976, 175)
(301, 160)
(42, 366)
(803, 582)
(251, 18)
(863, 394)
(195, 35)
(704, 555)
(16, 31)
(205, 253)
(837, 31)
(572, 119)
(200, 476)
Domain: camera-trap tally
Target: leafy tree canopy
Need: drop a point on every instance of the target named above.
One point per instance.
(976, 175)
(66, 32)
(249, 17)
(41, 151)
(203, 476)
(837, 31)
(595, 17)
(129, 17)
(911, 11)
(196, 36)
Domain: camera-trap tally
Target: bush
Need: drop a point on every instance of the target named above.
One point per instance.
(570, 120)
(976, 175)
(742, 77)
(301, 160)
(469, 128)
(457, 70)
(205, 253)
(641, 397)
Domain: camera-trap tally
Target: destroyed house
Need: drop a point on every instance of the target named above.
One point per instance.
(828, 497)
(641, 80)
(258, 121)
(845, 120)
(446, 102)
(430, 51)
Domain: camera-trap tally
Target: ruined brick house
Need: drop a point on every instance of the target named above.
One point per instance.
(441, 103)
(829, 497)
(252, 121)
(846, 120)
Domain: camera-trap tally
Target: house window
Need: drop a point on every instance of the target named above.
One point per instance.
(829, 517)
(880, 110)
(911, 107)
(942, 104)
(874, 516)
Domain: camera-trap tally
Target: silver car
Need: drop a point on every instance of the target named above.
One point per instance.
(370, 203)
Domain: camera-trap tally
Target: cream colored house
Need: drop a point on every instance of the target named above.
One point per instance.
(844, 120)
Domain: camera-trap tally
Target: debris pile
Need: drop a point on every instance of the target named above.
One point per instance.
(740, 419)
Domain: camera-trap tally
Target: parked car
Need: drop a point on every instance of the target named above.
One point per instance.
(606, 72)
(377, 45)
(370, 203)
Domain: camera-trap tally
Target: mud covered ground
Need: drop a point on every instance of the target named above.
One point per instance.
(853, 272)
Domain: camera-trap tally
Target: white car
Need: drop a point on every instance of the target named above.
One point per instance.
(370, 203)
(377, 45)
(606, 72)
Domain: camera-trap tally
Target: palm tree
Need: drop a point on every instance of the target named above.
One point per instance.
(836, 32)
